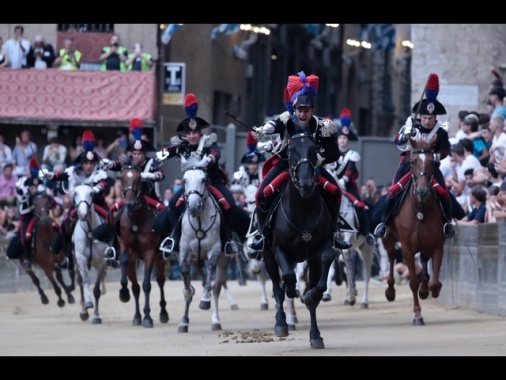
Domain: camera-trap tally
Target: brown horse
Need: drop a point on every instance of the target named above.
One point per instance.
(43, 237)
(138, 242)
(418, 226)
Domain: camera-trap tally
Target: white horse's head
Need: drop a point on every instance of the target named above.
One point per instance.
(83, 197)
(249, 195)
(194, 182)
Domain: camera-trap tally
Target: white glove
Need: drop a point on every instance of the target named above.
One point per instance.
(266, 129)
(208, 159)
(45, 174)
(96, 189)
(320, 159)
(342, 183)
(150, 176)
(108, 164)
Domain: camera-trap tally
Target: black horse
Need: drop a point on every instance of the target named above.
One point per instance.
(301, 230)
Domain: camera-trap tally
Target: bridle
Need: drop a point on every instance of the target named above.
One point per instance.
(415, 176)
(201, 195)
(131, 188)
(303, 160)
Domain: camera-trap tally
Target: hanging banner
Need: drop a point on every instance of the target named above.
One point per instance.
(174, 83)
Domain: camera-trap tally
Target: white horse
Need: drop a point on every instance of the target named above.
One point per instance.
(365, 252)
(88, 252)
(200, 239)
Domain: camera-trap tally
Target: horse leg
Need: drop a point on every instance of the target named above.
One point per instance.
(36, 282)
(188, 293)
(56, 287)
(147, 321)
(318, 274)
(281, 327)
(85, 279)
(327, 295)
(435, 284)
(350, 298)
(423, 291)
(96, 320)
(160, 279)
(124, 293)
(136, 291)
(66, 288)
(221, 280)
(414, 284)
(83, 314)
(366, 253)
(389, 244)
(291, 315)
(262, 280)
(205, 300)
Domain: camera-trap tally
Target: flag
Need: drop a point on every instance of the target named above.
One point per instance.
(381, 36)
(167, 35)
(225, 29)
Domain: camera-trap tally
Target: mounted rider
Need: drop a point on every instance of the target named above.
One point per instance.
(84, 170)
(346, 172)
(250, 171)
(26, 189)
(299, 101)
(424, 128)
(195, 143)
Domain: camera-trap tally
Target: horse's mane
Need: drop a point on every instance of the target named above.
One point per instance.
(193, 162)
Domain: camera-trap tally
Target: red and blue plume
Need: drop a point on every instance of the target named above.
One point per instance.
(301, 85)
(251, 142)
(88, 141)
(345, 117)
(136, 128)
(432, 89)
(287, 101)
(34, 167)
(191, 105)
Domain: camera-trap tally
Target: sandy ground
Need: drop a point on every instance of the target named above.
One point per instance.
(28, 328)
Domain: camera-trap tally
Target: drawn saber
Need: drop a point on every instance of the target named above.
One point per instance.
(239, 121)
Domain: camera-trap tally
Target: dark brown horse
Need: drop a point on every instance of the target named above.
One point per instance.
(418, 226)
(43, 238)
(138, 243)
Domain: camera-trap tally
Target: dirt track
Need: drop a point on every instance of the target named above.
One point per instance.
(29, 328)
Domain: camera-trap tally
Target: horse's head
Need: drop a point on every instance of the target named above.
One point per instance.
(41, 207)
(195, 184)
(302, 159)
(82, 199)
(131, 184)
(422, 165)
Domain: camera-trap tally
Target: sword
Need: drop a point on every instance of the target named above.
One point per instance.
(239, 121)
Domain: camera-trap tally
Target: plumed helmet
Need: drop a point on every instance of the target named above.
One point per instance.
(430, 105)
(301, 90)
(346, 131)
(34, 167)
(192, 122)
(345, 117)
(139, 144)
(88, 144)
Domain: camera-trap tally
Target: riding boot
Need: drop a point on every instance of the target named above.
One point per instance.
(381, 228)
(363, 220)
(27, 250)
(448, 229)
(260, 239)
(230, 245)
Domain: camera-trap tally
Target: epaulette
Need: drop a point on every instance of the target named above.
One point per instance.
(327, 127)
(284, 117)
(210, 139)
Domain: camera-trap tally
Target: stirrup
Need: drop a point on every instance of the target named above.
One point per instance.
(448, 230)
(231, 248)
(380, 230)
(110, 253)
(167, 250)
(258, 243)
(64, 264)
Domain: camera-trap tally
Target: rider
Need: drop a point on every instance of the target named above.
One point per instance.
(26, 188)
(424, 128)
(151, 172)
(195, 143)
(346, 172)
(299, 101)
(84, 170)
(250, 171)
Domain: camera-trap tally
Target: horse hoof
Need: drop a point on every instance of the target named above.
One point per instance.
(70, 299)
(61, 303)
(234, 307)
(418, 321)
(317, 343)
(136, 322)
(281, 331)
(295, 320)
(264, 306)
(292, 327)
(44, 300)
(96, 321)
(364, 306)
(423, 295)
(147, 322)
(390, 296)
(182, 329)
(216, 327)
(164, 317)
(205, 305)
(124, 295)
(84, 316)
(326, 297)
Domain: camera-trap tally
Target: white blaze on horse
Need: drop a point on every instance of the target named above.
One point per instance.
(88, 252)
